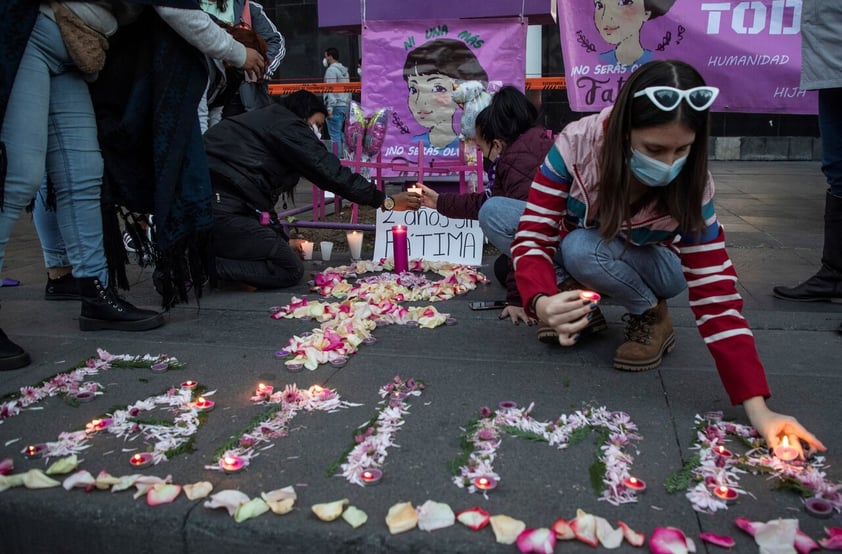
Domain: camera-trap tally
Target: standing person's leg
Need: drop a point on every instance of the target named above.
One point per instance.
(826, 285)
(75, 167)
(61, 285)
(334, 126)
(640, 278)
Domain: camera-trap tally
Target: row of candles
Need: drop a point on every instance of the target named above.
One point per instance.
(232, 463)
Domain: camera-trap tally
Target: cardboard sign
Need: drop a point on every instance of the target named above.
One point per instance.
(431, 236)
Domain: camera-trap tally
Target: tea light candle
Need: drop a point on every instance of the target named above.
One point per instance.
(189, 385)
(714, 416)
(507, 405)
(485, 483)
(294, 367)
(784, 451)
(84, 396)
(726, 493)
(397, 395)
(590, 295)
(416, 189)
(264, 389)
(451, 321)
(160, 367)
(34, 451)
(281, 354)
(141, 459)
(202, 404)
(400, 248)
(339, 362)
(369, 340)
(355, 244)
(232, 463)
(818, 507)
(723, 452)
(307, 249)
(98, 425)
(635, 484)
(371, 476)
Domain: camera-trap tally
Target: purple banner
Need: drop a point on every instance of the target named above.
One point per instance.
(413, 67)
(751, 50)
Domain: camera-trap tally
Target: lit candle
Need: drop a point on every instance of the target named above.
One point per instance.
(189, 385)
(818, 507)
(485, 483)
(635, 484)
(590, 296)
(203, 404)
(355, 244)
(723, 452)
(98, 425)
(371, 476)
(397, 395)
(160, 367)
(84, 396)
(725, 493)
(232, 463)
(35, 451)
(416, 189)
(141, 459)
(316, 389)
(307, 249)
(263, 389)
(400, 248)
(784, 451)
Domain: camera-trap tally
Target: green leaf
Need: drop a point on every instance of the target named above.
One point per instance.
(680, 479)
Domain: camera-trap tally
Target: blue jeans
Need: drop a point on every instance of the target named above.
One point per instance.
(498, 219)
(635, 277)
(50, 123)
(46, 224)
(334, 128)
(830, 127)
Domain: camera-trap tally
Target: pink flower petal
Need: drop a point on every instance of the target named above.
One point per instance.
(162, 493)
(833, 531)
(668, 540)
(539, 541)
(804, 544)
(834, 542)
(7, 466)
(632, 537)
(746, 525)
(473, 518)
(563, 530)
(718, 540)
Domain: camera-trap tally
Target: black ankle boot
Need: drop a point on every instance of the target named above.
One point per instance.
(103, 309)
(63, 288)
(12, 356)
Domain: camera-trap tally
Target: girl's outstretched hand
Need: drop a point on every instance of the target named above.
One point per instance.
(773, 426)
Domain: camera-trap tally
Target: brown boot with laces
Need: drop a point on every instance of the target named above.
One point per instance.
(548, 335)
(648, 337)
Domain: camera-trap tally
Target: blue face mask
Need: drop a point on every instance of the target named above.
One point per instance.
(652, 172)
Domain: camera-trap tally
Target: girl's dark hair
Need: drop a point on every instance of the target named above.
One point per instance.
(304, 103)
(681, 199)
(509, 115)
(446, 56)
(657, 8)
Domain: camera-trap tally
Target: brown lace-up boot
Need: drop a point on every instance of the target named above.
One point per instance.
(648, 337)
(548, 335)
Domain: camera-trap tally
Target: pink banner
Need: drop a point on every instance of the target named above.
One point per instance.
(751, 50)
(413, 67)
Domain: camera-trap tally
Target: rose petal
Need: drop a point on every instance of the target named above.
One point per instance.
(776, 536)
(279, 494)
(747, 525)
(63, 466)
(82, 478)
(250, 509)
(474, 518)
(506, 529)
(539, 541)
(435, 515)
(833, 542)
(668, 540)
(105, 480)
(329, 511)
(10, 481)
(833, 531)
(401, 517)
(804, 544)
(228, 499)
(563, 530)
(632, 537)
(7, 466)
(584, 527)
(608, 536)
(281, 507)
(354, 516)
(195, 491)
(162, 493)
(718, 540)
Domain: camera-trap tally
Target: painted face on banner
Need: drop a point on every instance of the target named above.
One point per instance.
(619, 20)
(431, 101)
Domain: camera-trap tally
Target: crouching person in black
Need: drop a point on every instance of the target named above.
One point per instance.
(256, 157)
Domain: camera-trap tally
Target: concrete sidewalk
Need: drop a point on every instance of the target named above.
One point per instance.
(772, 212)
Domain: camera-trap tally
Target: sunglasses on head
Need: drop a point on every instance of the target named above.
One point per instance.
(668, 98)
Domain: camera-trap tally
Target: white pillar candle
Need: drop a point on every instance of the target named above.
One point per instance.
(355, 244)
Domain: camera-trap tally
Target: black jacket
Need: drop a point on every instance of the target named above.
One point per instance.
(263, 154)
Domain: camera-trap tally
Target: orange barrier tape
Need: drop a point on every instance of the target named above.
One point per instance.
(532, 83)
